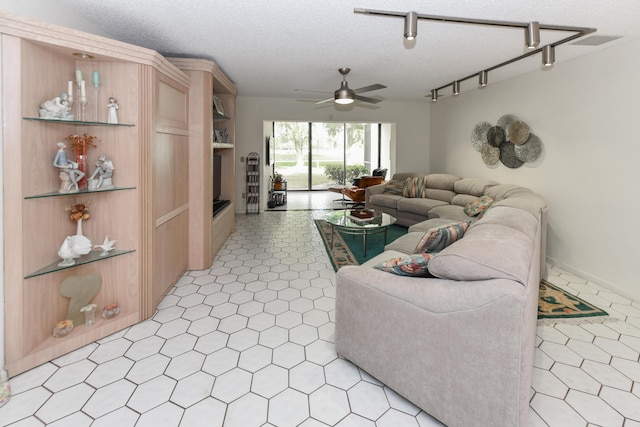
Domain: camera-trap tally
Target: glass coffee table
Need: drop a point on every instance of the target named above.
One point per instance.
(362, 222)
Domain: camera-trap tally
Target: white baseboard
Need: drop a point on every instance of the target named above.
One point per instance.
(597, 280)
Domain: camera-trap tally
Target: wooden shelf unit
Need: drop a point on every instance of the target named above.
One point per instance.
(37, 62)
(207, 234)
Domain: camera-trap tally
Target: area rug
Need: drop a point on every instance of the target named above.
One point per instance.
(554, 304)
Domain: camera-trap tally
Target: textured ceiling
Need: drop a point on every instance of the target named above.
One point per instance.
(272, 48)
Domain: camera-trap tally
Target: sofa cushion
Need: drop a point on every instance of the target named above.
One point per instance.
(437, 194)
(385, 200)
(478, 206)
(406, 243)
(441, 181)
(473, 186)
(394, 186)
(514, 218)
(529, 202)
(426, 225)
(415, 265)
(418, 206)
(452, 213)
(439, 238)
(462, 199)
(489, 250)
(502, 191)
(414, 187)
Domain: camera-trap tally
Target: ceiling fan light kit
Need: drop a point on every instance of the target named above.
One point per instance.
(345, 95)
(531, 33)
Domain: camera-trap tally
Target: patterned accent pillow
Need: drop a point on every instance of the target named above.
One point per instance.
(394, 186)
(414, 187)
(439, 238)
(478, 206)
(414, 265)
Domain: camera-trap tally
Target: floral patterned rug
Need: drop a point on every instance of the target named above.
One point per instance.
(554, 304)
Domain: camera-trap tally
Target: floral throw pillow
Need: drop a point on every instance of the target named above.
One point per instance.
(478, 206)
(414, 265)
(414, 187)
(439, 238)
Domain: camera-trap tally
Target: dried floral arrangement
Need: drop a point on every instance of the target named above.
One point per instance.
(79, 211)
(81, 143)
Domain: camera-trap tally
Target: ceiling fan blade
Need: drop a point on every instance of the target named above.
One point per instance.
(325, 100)
(369, 88)
(367, 99)
(311, 91)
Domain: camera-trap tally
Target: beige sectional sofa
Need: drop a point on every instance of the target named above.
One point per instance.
(459, 345)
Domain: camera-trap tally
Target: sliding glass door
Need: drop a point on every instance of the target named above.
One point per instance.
(316, 156)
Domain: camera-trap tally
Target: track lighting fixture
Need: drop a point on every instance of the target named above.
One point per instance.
(532, 35)
(548, 56)
(483, 77)
(411, 26)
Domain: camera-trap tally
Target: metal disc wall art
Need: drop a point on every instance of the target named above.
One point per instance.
(510, 141)
(496, 136)
(479, 135)
(530, 150)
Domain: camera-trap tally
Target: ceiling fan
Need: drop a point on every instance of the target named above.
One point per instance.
(345, 95)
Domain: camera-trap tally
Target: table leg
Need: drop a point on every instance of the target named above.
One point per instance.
(364, 243)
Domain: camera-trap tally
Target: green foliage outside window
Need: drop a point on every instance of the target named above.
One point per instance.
(335, 172)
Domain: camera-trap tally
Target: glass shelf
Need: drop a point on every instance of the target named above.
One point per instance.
(222, 145)
(218, 116)
(76, 122)
(81, 192)
(92, 256)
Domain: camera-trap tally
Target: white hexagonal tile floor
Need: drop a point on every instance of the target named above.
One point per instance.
(250, 342)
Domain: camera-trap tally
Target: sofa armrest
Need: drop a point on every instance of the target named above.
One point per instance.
(374, 189)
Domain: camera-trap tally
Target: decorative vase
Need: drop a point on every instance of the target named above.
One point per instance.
(81, 160)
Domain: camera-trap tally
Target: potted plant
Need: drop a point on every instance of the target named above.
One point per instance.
(278, 181)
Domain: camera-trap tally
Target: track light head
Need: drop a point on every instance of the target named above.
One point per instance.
(456, 88)
(548, 56)
(483, 78)
(532, 35)
(434, 95)
(411, 26)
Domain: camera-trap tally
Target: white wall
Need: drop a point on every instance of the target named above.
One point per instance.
(48, 11)
(586, 112)
(410, 118)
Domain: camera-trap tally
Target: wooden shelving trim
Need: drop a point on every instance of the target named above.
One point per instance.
(93, 256)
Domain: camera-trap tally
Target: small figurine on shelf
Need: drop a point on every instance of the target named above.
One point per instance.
(89, 311)
(57, 108)
(112, 106)
(104, 172)
(69, 172)
(63, 328)
(73, 247)
(106, 246)
(110, 311)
